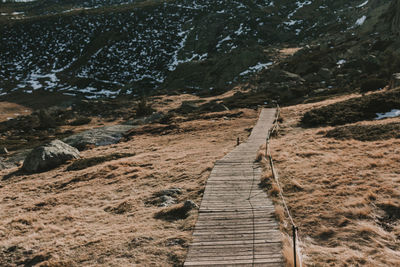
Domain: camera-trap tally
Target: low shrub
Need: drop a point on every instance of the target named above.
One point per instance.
(372, 84)
(80, 121)
(352, 110)
(366, 132)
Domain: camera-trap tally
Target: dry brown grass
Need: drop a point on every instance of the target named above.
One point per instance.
(286, 52)
(11, 110)
(100, 215)
(343, 195)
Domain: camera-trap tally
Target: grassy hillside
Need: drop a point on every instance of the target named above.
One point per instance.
(341, 185)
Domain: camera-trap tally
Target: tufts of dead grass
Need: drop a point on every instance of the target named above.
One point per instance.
(343, 194)
(98, 215)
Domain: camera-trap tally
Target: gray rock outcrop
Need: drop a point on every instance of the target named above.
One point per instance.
(49, 156)
(98, 137)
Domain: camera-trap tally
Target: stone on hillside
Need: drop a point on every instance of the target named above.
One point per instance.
(98, 137)
(187, 107)
(5, 165)
(285, 76)
(213, 106)
(171, 192)
(153, 118)
(325, 73)
(395, 81)
(189, 205)
(166, 201)
(49, 156)
(3, 151)
(312, 77)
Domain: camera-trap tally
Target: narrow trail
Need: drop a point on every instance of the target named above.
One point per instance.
(236, 225)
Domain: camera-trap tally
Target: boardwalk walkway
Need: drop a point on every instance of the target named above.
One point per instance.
(236, 226)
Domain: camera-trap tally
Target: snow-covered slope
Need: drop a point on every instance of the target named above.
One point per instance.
(184, 44)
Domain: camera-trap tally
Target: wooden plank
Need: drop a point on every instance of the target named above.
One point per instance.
(257, 248)
(230, 262)
(240, 264)
(250, 256)
(242, 250)
(267, 237)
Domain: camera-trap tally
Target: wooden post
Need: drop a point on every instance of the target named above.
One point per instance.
(294, 246)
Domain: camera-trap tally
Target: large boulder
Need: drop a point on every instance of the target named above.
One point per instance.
(98, 137)
(49, 156)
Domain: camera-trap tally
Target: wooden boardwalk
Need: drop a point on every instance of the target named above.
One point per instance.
(236, 226)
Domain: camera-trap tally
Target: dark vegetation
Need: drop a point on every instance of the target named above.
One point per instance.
(366, 132)
(249, 100)
(198, 107)
(80, 121)
(373, 84)
(353, 110)
(154, 129)
(143, 108)
(173, 213)
(81, 164)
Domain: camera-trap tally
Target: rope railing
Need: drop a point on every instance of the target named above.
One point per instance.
(275, 175)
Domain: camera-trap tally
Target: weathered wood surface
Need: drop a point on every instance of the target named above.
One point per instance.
(236, 225)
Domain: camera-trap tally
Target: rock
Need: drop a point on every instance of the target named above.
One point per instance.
(325, 73)
(166, 197)
(312, 77)
(175, 242)
(3, 151)
(5, 165)
(49, 156)
(190, 205)
(14, 160)
(187, 107)
(280, 76)
(166, 201)
(155, 117)
(320, 91)
(394, 81)
(171, 192)
(98, 137)
(213, 106)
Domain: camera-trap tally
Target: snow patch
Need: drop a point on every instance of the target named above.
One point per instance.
(341, 62)
(300, 5)
(391, 114)
(256, 68)
(361, 21)
(363, 4)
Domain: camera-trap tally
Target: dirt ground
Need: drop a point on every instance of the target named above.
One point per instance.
(343, 194)
(103, 215)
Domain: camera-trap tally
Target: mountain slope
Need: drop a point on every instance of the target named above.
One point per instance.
(187, 45)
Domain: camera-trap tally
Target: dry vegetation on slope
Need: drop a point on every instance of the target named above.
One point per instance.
(343, 194)
(104, 215)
